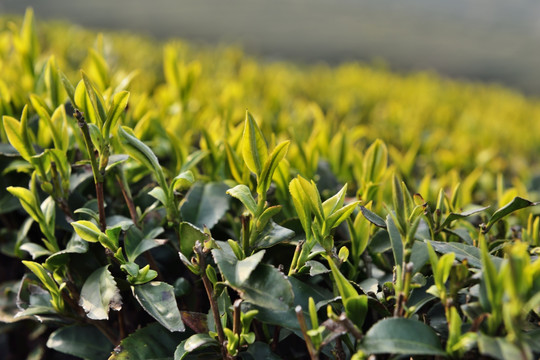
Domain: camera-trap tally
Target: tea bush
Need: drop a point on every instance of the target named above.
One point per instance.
(350, 213)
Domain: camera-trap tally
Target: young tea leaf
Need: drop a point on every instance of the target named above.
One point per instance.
(254, 148)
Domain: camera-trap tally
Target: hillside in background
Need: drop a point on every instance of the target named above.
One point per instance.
(491, 41)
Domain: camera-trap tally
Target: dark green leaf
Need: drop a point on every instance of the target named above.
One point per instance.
(206, 204)
(264, 286)
(373, 218)
(395, 240)
(401, 336)
(157, 298)
(462, 251)
(501, 349)
(136, 243)
(151, 342)
(516, 204)
(453, 216)
(189, 235)
(257, 351)
(271, 235)
(235, 271)
(85, 342)
(142, 153)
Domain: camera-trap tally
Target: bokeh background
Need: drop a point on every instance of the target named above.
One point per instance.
(495, 41)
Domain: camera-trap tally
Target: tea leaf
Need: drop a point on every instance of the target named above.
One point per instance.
(453, 216)
(235, 271)
(395, 240)
(270, 166)
(197, 341)
(271, 235)
(116, 109)
(17, 133)
(242, 193)
(373, 218)
(205, 204)
(81, 341)
(99, 293)
(142, 153)
(265, 287)
(157, 299)
(401, 336)
(87, 230)
(150, 342)
(516, 204)
(462, 251)
(346, 290)
(254, 148)
(188, 236)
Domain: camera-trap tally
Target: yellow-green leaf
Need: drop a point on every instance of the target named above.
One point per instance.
(254, 148)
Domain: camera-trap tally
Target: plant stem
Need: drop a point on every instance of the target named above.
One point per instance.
(212, 299)
(98, 175)
(313, 354)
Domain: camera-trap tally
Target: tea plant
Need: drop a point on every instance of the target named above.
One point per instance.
(147, 217)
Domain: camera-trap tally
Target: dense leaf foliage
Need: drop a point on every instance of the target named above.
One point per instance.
(349, 212)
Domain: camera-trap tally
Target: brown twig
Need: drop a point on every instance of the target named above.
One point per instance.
(313, 354)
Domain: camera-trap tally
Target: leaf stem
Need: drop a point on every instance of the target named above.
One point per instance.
(98, 174)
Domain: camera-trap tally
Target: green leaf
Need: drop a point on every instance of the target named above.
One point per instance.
(142, 153)
(345, 288)
(340, 215)
(85, 342)
(159, 194)
(242, 193)
(501, 349)
(516, 204)
(375, 162)
(271, 165)
(118, 106)
(235, 271)
(197, 341)
(462, 251)
(43, 276)
(401, 336)
(259, 350)
(136, 243)
(205, 204)
(99, 293)
(265, 286)
(188, 236)
(301, 204)
(157, 299)
(150, 342)
(35, 250)
(302, 292)
(373, 218)
(254, 148)
(395, 240)
(28, 202)
(356, 308)
(96, 100)
(87, 230)
(183, 180)
(271, 235)
(453, 216)
(334, 203)
(17, 133)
